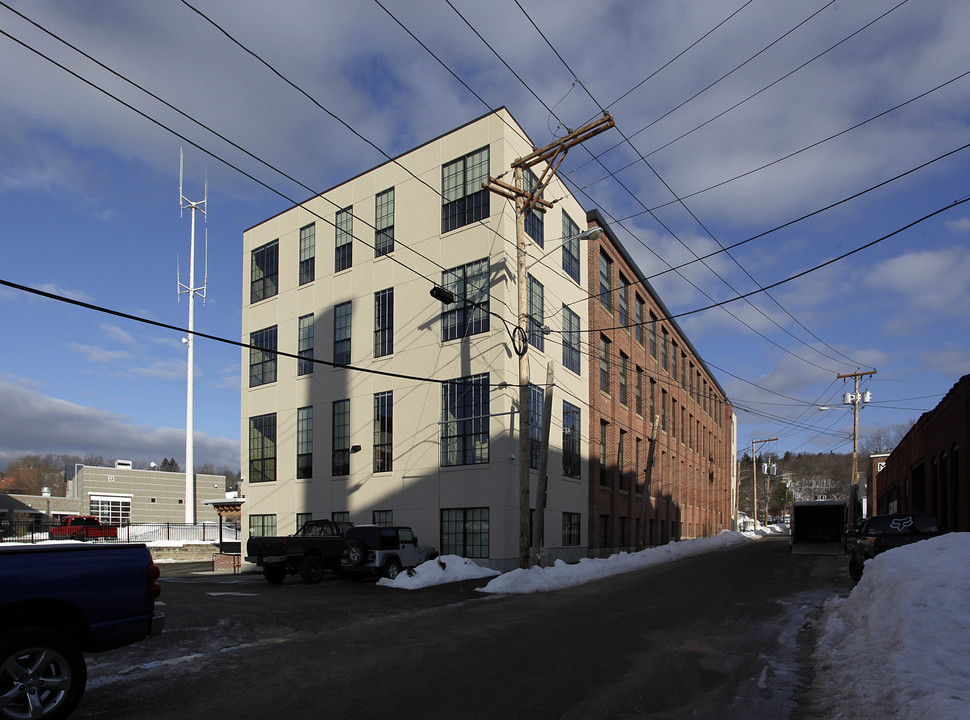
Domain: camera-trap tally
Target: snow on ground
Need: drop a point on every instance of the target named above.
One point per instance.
(895, 647)
(558, 576)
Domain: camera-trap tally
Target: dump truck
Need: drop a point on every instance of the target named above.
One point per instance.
(818, 527)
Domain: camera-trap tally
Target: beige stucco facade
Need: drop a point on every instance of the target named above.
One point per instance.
(418, 487)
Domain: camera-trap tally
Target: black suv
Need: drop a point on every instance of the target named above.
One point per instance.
(384, 550)
(885, 532)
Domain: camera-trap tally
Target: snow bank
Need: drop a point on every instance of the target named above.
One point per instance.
(452, 568)
(564, 575)
(897, 645)
(445, 569)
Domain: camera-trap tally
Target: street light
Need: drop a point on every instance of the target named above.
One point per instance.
(518, 335)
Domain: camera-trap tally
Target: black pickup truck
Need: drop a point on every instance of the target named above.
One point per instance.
(317, 546)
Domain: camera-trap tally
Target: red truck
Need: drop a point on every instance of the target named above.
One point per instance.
(82, 527)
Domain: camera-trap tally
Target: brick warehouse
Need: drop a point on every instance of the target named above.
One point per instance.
(641, 366)
(924, 473)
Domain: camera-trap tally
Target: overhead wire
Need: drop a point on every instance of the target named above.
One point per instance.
(230, 165)
(706, 229)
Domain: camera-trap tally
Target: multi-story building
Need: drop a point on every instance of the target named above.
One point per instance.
(642, 367)
(365, 398)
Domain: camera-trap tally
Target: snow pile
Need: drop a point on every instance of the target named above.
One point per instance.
(897, 645)
(445, 569)
(453, 568)
(564, 575)
(768, 531)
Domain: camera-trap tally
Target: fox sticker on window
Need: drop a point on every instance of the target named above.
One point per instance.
(900, 524)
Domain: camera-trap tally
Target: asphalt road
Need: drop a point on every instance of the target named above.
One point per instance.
(723, 635)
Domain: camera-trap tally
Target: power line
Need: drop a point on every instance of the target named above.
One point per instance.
(709, 233)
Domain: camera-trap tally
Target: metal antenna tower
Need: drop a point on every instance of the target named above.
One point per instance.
(191, 290)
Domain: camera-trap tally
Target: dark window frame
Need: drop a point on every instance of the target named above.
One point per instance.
(264, 272)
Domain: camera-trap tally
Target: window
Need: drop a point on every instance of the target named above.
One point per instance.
(683, 371)
(465, 200)
(304, 365)
(304, 443)
(343, 254)
(535, 314)
(383, 432)
(664, 348)
(570, 247)
(663, 410)
(571, 439)
(605, 364)
(384, 322)
(603, 479)
(639, 392)
(264, 276)
(606, 280)
(302, 519)
(341, 333)
(673, 362)
(464, 421)
(604, 530)
(624, 379)
(653, 400)
(533, 221)
(623, 301)
(262, 525)
(340, 516)
(639, 320)
(262, 357)
(262, 448)
(570, 341)
(340, 433)
(111, 509)
(383, 518)
(571, 525)
(464, 532)
(308, 241)
(469, 313)
(536, 410)
(384, 223)
(653, 335)
(637, 468)
(621, 461)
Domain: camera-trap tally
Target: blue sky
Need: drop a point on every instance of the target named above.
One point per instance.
(89, 187)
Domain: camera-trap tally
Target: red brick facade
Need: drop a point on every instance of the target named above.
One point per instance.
(641, 365)
(925, 472)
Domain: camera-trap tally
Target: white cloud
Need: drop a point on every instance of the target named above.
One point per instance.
(75, 429)
(959, 226)
(929, 283)
(118, 335)
(99, 355)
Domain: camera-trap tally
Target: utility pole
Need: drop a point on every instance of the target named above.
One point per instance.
(525, 202)
(754, 478)
(542, 481)
(856, 398)
(191, 290)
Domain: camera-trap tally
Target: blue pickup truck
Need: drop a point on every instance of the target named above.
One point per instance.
(59, 600)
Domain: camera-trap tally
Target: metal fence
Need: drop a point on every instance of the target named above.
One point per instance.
(38, 530)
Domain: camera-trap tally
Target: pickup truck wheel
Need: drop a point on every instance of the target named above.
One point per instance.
(42, 674)
(356, 554)
(312, 569)
(274, 574)
(855, 569)
(392, 569)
